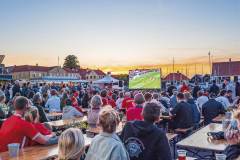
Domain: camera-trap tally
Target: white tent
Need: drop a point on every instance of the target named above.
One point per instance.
(107, 79)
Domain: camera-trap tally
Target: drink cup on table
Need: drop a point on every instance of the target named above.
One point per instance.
(13, 149)
(182, 154)
(221, 157)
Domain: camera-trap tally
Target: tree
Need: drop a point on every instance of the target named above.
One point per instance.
(71, 61)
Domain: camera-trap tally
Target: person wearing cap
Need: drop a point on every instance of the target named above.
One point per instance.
(53, 103)
(212, 109)
(70, 112)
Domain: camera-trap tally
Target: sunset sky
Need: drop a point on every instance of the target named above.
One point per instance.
(105, 33)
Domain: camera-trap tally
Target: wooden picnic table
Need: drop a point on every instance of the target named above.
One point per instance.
(200, 140)
(219, 118)
(38, 152)
(63, 123)
(54, 115)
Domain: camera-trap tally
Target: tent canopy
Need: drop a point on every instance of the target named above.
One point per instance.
(107, 79)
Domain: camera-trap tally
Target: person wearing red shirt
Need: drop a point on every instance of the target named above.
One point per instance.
(104, 97)
(128, 102)
(16, 130)
(74, 100)
(135, 113)
(184, 88)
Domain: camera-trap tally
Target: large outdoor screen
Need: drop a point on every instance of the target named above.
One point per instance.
(144, 79)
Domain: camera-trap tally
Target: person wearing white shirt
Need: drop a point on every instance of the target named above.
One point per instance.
(223, 99)
(53, 103)
(201, 100)
(120, 100)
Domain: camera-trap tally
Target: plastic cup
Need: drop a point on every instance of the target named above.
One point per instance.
(182, 154)
(13, 149)
(220, 156)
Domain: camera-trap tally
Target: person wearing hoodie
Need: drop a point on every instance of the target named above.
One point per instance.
(143, 139)
(70, 112)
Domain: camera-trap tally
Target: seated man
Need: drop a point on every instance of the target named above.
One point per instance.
(53, 103)
(212, 109)
(134, 113)
(143, 139)
(70, 112)
(182, 115)
(16, 130)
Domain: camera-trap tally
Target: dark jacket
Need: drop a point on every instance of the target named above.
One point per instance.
(212, 109)
(182, 116)
(15, 89)
(145, 141)
(214, 89)
(232, 152)
(195, 91)
(42, 115)
(195, 111)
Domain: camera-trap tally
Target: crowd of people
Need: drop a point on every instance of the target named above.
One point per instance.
(24, 108)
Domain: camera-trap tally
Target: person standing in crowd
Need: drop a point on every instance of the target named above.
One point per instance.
(70, 112)
(3, 107)
(93, 113)
(202, 99)
(171, 89)
(37, 101)
(184, 87)
(127, 101)
(120, 100)
(53, 103)
(195, 90)
(173, 99)
(71, 145)
(16, 88)
(104, 97)
(134, 113)
(148, 141)
(196, 113)
(182, 114)
(107, 145)
(15, 128)
(223, 99)
(148, 97)
(212, 109)
(214, 88)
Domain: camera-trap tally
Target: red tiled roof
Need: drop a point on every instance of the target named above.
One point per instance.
(27, 68)
(226, 68)
(176, 77)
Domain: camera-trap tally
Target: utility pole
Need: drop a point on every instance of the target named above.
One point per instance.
(173, 70)
(209, 61)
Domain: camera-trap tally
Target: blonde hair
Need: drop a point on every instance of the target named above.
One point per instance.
(71, 144)
(108, 119)
(31, 114)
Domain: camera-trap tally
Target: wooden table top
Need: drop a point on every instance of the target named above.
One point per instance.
(38, 152)
(219, 118)
(200, 139)
(62, 123)
(54, 114)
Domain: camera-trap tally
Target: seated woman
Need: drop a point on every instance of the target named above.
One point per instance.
(96, 104)
(69, 112)
(71, 145)
(32, 116)
(107, 145)
(37, 101)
